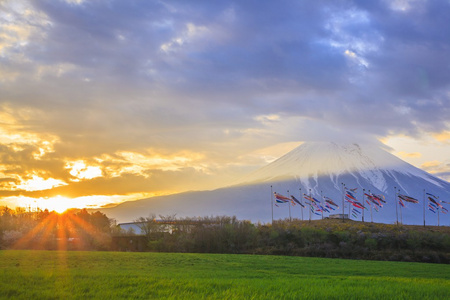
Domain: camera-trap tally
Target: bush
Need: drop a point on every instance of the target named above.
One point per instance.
(371, 243)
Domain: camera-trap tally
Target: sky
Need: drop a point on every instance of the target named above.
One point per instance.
(105, 101)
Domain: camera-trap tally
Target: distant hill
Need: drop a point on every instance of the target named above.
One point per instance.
(318, 168)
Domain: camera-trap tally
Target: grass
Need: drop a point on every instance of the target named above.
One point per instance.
(113, 275)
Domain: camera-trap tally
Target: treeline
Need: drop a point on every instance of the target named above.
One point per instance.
(43, 229)
(320, 238)
(84, 230)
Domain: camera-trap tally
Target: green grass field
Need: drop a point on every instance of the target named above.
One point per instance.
(83, 275)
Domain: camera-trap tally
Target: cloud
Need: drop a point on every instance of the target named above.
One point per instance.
(438, 168)
(318, 61)
(431, 164)
(213, 82)
(443, 136)
(407, 154)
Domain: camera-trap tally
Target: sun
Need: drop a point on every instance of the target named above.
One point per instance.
(59, 204)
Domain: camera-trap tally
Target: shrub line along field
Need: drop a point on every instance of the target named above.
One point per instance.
(82, 274)
(81, 230)
(319, 238)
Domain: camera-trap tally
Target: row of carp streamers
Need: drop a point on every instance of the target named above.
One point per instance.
(374, 201)
(315, 205)
(434, 205)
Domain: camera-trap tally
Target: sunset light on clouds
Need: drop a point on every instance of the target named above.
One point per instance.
(108, 101)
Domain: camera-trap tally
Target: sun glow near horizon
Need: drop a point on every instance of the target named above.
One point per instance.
(60, 203)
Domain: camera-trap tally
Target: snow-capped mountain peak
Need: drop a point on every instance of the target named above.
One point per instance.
(315, 159)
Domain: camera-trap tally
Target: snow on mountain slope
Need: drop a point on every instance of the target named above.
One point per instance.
(320, 158)
(317, 168)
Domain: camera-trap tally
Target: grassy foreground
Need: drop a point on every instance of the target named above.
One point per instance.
(82, 275)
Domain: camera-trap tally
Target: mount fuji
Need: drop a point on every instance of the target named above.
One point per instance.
(315, 168)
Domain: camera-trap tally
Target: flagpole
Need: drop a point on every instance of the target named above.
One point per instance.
(400, 206)
(401, 211)
(301, 201)
(364, 204)
(349, 206)
(423, 207)
(396, 204)
(310, 206)
(321, 202)
(438, 215)
(342, 201)
(271, 198)
(401, 214)
(438, 209)
(289, 203)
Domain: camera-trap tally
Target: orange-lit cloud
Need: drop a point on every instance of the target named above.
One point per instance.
(37, 183)
(441, 169)
(409, 154)
(80, 170)
(431, 164)
(443, 136)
